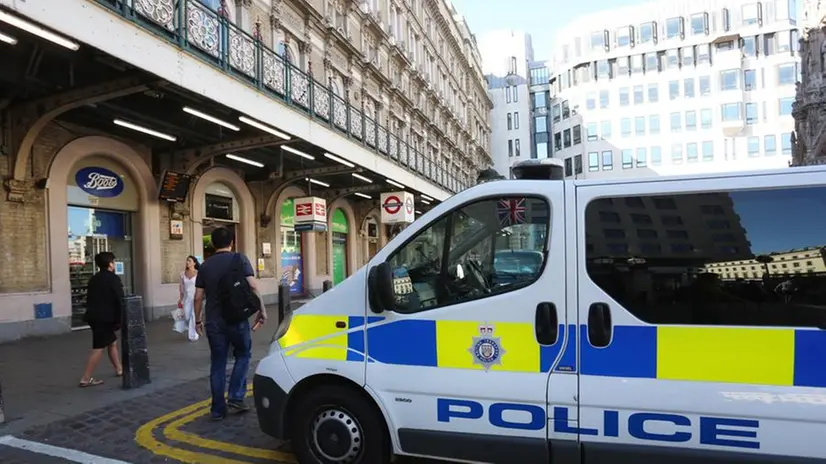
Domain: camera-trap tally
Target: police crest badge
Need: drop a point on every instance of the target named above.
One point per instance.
(486, 349)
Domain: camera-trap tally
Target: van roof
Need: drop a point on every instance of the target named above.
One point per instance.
(713, 175)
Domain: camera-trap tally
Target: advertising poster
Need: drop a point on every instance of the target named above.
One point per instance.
(339, 260)
(291, 265)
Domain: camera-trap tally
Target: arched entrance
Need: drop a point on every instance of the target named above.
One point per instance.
(340, 228)
(220, 209)
(101, 200)
(292, 249)
(371, 234)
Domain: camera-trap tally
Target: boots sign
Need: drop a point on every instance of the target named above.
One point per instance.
(99, 182)
(397, 208)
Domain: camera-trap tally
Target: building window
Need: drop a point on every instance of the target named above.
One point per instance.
(688, 87)
(672, 59)
(591, 101)
(604, 99)
(749, 79)
(699, 24)
(508, 94)
(566, 110)
(510, 148)
(540, 123)
(652, 63)
(593, 161)
(752, 14)
(512, 65)
(623, 96)
(753, 144)
(539, 100)
(731, 112)
(676, 122)
(702, 54)
(605, 130)
(639, 95)
(569, 167)
(607, 160)
(639, 125)
(786, 106)
(598, 40)
(542, 150)
(641, 158)
(516, 120)
(625, 127)
(691, 152)
(687, 56)
(566, 138)
(691, 120)
(510, 121)
(558, 141)
(627, 158)
(625, 36)
(751, 113)
(556, 113)
(770, 144)
(517, 149)
(654, 124)
(515, 94)
(705, 86)
(591, 132)
(749, 46)
(637, 66)
(648, 32)
(673, 90)
(708, 150)
(578, 164)
(577, 134)
(674, 28)
(656, 156)
(786, 143)
(653, 93)
(706, 118)
(677, 153)
(730, 79)
(787, 74)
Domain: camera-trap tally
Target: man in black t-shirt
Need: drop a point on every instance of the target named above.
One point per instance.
(104, 309)
(223, 336)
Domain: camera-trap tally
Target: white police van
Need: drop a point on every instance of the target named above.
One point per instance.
(536, 321)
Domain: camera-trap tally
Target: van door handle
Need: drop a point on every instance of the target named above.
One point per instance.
(546, 324)
(600, 327)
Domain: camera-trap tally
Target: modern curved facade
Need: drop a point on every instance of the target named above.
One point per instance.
(675, 87)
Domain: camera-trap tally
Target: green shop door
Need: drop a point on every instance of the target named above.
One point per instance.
(340, 228)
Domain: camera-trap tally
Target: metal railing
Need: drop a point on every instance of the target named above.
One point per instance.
(210, 36)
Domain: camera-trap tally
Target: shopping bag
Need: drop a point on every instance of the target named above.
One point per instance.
(177, 314)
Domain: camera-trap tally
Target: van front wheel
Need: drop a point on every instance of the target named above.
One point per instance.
(332, 425)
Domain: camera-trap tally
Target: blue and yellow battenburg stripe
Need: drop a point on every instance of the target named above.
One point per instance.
(760, 356)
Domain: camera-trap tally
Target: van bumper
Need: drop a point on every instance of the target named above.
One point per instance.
(270, 406)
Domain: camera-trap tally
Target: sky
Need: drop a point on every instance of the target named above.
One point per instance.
(539, 18)
(779, 220)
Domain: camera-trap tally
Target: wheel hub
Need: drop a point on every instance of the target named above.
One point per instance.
(336, 436)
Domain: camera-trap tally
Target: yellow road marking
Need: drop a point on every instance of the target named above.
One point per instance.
(173, 432)
(176, 419)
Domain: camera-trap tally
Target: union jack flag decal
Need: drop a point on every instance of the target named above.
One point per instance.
(511, 211)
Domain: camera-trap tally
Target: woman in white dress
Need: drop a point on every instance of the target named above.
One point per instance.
(186, 299)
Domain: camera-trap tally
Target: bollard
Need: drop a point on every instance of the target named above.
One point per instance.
(133, 350)
(328, 284)
(284, 302)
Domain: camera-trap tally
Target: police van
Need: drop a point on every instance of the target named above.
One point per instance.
(543, 320)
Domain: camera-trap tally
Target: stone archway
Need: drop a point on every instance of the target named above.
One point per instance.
(352, 235)
(245, 239)
(147, 227)
(307, 241)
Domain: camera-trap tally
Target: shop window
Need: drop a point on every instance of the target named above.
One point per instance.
(292, 260)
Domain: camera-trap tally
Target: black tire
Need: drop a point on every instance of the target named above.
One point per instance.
(337, 411)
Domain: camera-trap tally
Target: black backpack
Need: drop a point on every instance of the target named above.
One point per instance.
(238, 302)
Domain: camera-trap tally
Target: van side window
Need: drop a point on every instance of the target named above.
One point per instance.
(485, 248)
(734, 258)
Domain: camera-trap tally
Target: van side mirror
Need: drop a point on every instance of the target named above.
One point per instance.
(380, 292)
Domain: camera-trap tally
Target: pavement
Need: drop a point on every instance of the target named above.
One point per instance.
(50, 420)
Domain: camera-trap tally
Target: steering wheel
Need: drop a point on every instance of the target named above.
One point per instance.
(478, 275)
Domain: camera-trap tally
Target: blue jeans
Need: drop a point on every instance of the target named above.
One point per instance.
(222, 337)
